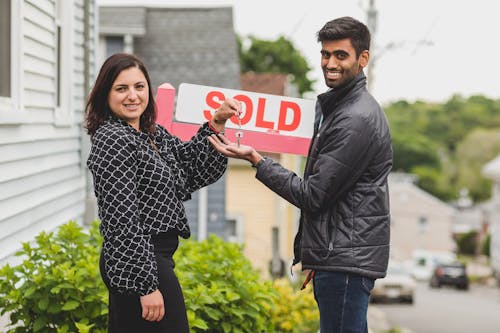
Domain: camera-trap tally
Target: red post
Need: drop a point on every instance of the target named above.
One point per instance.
(165, 100)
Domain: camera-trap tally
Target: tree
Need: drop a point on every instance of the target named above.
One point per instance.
(446, 144)
(467, 243)
(478, 148)
(434, 181)
(411, 150)
(278, 56)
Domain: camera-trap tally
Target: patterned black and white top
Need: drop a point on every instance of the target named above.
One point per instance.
(140, 191)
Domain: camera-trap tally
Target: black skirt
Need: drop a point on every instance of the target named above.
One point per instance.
(125, 311)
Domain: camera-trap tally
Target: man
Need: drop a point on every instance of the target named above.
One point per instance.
(343, 236)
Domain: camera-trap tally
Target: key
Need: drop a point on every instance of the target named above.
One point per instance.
(239, 134)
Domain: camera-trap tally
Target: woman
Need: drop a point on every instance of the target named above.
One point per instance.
(141, 176)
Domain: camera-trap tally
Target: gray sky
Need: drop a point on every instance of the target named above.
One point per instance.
(458, 56)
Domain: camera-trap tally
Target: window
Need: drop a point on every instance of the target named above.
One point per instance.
(5, 49)
(114, 44)
(59, 55)
(58, 74)
(422, 224)
(277, 265)
(234, 230)
(11, 78)
(63, 58)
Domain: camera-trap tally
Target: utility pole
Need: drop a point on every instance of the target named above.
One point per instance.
(371, 21)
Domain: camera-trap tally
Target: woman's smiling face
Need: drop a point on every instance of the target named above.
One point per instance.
(129, 96)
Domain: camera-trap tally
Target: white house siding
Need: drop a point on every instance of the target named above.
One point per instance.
(43, 179)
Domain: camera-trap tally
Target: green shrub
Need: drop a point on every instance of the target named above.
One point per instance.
(294, 311)
(223, 292)
(486, 246)
(467, 243)
(57, 288)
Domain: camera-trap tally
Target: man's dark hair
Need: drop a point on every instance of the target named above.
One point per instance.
(347, 27)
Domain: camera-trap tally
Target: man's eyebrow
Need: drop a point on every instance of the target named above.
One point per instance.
(334, 52)
(340, 51)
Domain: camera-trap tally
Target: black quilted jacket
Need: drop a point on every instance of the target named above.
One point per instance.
(343, 196)
(140, 191)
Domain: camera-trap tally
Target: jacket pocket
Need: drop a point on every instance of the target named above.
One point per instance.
(315, 238)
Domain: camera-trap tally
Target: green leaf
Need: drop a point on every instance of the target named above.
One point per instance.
(199, 323)
(83, 327)
(226, 327)
(40, 323)
(30, 291)
(57, 289)
(54, 308)
(63, 329)
(213, 313)
(70, 305)
(43, 303)
(232, 296)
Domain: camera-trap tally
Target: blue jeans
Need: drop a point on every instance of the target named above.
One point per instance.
(342, 300)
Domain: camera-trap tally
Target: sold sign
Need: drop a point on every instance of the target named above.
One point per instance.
(270, 123)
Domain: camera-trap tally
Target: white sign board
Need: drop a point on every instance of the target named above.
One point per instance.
(263, 113)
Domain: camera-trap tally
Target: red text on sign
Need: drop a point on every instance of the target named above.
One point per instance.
(287, 109)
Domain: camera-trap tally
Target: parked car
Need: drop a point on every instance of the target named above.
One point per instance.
(423, 262)
(451, 274)
(398, 285)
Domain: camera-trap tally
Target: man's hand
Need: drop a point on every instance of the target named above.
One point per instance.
(230, 149)
(152, 305)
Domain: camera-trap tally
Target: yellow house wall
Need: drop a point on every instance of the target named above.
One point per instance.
(260, 210)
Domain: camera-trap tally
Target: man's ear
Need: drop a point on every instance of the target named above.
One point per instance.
(364, 57)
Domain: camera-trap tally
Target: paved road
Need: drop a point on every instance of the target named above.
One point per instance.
(448, 310)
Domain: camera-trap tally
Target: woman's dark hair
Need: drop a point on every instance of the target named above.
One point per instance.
(97, 110)
(347, 27)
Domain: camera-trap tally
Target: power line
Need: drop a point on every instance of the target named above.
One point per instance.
(377, 52)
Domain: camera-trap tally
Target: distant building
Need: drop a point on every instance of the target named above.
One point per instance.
(492, 214)
(418, 219)
(269, 83)
(46, 65)
(179, 44)
(468, 217)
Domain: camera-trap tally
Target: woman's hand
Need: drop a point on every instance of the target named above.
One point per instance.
(229, 108)
(152, 305)
(230, 149)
